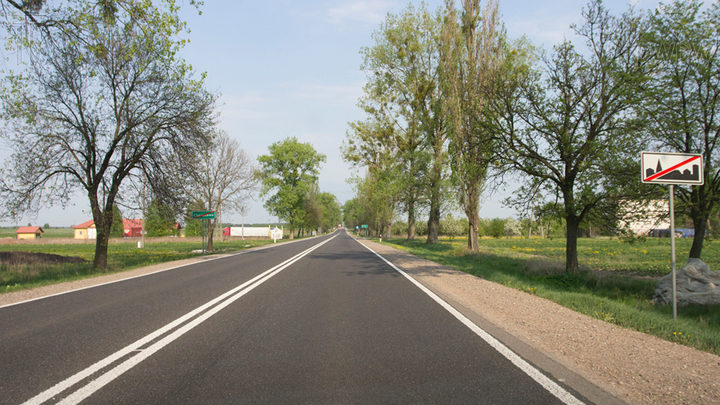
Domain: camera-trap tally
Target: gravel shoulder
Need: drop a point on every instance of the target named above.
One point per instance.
(627, 366)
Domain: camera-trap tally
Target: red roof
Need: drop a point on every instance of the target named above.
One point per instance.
(29, 229)
(85, 225)
(132, 223)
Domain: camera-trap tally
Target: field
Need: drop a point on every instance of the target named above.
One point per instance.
(122, 255)
(49, 233)
(615, 285)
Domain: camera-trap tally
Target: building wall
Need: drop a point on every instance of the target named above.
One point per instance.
(86, 233)
(28, 236)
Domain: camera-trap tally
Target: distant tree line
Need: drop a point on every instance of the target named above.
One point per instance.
(454, 108)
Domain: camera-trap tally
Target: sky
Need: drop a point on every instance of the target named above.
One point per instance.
(292, 69)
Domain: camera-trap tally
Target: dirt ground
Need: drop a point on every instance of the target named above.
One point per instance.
(16, 257)
(628, 366)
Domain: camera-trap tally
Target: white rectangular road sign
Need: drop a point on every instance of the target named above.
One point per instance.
(672, 168)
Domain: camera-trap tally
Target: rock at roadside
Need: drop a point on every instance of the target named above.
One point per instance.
(696, 284)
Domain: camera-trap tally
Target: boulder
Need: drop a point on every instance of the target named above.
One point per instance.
(696, 284)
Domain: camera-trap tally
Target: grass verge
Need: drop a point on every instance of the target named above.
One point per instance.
(620, 297)
(121, 257)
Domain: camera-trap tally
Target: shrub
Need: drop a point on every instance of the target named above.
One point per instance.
(496, 228)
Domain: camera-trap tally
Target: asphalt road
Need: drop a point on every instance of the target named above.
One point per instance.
(322, 320)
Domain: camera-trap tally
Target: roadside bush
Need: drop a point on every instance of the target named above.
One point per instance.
(496, 228)
(399, 228)
(421, 228)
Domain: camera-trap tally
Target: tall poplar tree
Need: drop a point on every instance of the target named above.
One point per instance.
(472, 53)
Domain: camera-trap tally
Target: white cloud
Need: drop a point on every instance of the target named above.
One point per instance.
(365, 11)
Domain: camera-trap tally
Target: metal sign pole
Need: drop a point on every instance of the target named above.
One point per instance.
(202, 221)
(672, 249)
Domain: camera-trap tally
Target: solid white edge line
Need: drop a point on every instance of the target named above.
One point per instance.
(550, 385)
(89, 371)
(224, 256)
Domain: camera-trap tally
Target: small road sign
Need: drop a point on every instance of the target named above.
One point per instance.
(203, 214)
(363, 226)
(672, 168)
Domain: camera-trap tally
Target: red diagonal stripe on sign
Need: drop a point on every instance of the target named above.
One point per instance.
(666, 171)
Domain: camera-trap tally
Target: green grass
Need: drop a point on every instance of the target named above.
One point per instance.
(619, 295)
(121, 257)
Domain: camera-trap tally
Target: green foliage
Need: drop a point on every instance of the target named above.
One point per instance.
(289, 171)
(403, 140)
(118, 228)
(159, 220)
(496, 228)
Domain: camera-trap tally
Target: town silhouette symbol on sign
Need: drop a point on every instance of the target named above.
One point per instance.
(675, 174)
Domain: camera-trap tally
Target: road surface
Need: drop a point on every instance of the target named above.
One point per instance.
(320, 320)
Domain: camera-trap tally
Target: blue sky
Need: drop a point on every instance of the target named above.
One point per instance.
(289, 68)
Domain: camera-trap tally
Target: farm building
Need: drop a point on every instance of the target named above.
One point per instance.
(86, 230)
(132, 229)
(641, 218)
(29, 232)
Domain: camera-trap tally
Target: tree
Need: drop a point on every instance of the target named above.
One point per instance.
(471, 56)
(159, 220)
(572, 131)
(117, 230)
(289, 171)
(332, 215)
(403, 93)
(193, 227)
(97, 105)
(684, 97)
(223, 179)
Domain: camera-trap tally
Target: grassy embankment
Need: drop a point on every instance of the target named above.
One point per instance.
(616, 285)
(121, 256)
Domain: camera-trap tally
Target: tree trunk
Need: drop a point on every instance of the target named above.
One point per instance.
(472, 210)
(435, 186)
(211, 229)
(292, 232)
(434, 223)
(103, 223)
(101, 249)
(411, 221)
(700, 224)
(571, 254)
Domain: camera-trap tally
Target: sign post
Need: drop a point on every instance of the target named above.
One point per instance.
(207, 215)
(672, 168)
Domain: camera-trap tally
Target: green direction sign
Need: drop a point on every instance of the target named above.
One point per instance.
(203, 214)
(363, 226)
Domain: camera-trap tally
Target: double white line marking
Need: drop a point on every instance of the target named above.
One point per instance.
(138, 351)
